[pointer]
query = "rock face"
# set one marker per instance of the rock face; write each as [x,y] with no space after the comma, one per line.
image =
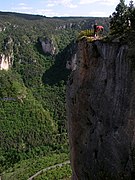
[48,46]
[6,58]
[71,59]
[72,64]
[101,112]
[5,61]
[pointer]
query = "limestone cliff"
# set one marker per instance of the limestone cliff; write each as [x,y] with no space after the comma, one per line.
[48,46]
[6,58]
[5,61]
[101,112]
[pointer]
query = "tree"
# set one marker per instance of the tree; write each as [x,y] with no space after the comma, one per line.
[131,14]
[131,6]
[118,19]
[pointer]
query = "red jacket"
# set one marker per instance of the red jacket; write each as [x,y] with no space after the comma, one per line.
[100,28]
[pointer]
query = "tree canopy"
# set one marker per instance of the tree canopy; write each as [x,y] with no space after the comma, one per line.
[122,20]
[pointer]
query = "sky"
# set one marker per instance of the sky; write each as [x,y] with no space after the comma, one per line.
[51,8]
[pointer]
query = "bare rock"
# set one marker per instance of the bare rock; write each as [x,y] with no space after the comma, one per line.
[6,61]
[101,112]
[48,46]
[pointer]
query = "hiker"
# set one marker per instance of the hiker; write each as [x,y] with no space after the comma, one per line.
[95,29]
[100,28]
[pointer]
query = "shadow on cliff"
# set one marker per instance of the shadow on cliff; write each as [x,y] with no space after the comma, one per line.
[58,71]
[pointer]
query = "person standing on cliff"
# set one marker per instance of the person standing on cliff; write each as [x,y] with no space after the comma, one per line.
[95,30]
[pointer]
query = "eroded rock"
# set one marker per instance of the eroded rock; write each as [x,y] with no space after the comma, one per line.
[101,112]
[48,46]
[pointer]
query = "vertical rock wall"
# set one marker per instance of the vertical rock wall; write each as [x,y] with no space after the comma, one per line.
[6,61]
[48,46]
[101,112]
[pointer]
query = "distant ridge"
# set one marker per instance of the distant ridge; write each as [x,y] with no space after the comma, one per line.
[22,15]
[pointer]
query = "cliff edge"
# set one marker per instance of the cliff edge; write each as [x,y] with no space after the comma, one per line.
[101,112]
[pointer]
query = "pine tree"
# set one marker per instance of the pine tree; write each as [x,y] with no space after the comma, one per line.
[131,5]
[131,15]
[118,19]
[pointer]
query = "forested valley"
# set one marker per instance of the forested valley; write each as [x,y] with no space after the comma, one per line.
[33,127]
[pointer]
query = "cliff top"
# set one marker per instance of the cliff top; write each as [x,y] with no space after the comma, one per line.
[125,38]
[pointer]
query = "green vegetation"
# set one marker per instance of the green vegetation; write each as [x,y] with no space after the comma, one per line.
[27,168]
[122,20]
[32,93]
[33,127]
[60,173]
[88,33]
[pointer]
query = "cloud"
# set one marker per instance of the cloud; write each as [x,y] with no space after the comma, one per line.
[105,2]
[25,8]
[110,2]
[50,5]
[45,12]
[87,1]
[66,3]
[30,10]
[97,14]
[21,6]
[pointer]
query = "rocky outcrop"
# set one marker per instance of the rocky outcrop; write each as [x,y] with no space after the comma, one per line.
[6,61]
[71,64]
[101,112]
[2,27]
[48,46]
[6,58]
[82,24]
[71,58]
